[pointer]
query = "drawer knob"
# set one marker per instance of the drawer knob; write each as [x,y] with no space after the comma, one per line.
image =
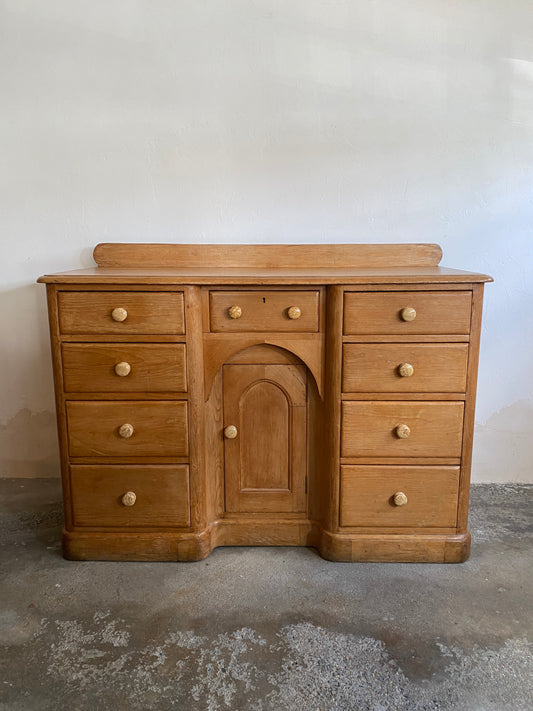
[402,431]
[235,312]
[129,498]
[406,370]
[125,431]
[123,369]
[399,498]
[408,313]
[119,314]
[230,432]
[294,312]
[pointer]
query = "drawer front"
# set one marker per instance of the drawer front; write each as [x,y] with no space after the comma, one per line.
[139,312]
[368,496]
[127,429]
[375,429]
[407,312]
[398,367]
[124,367]
[264,311]
[161,496]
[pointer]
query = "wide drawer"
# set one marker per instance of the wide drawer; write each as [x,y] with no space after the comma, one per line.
[368,495]
[160,496]
[293,311]
[127,429]
[124,367]
[121,312]
[399,367]
[401,429]
[407,312]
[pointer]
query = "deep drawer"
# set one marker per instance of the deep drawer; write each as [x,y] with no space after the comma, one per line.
[368,496]
[401,429]
[121,312]
[407,312]
[161,496]
[398,367]
[127,429]
[293,311]
[125,367]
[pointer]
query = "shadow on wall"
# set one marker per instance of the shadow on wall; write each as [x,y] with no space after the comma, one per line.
[503,446]
[28,438]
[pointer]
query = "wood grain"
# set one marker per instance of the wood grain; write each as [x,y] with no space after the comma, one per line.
[367,496]
[273,255]
[264,311]
[376,367]
[82,312]
[436,312]
[369,429]
[160,429]
[162,496]
[156,368]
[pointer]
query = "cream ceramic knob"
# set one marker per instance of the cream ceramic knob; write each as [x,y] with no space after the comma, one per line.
[119,314]
[125,431]
[400,499]
[123,369]
[230,432]
[406,370]
[235,312]
[402,431]
[408,313]
[294,312]
[129,498]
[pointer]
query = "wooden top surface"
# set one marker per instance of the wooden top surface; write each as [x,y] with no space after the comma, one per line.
[265,264]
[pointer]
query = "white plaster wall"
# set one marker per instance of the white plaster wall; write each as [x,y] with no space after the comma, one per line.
[267,121]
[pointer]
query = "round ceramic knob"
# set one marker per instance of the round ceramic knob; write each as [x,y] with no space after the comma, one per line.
[235,312]
[403,431]
[294,312]
[406,370]
[400,499]
[129,498]
[408,313]
[125,431]
[230,432]
[123,369]
[119,314]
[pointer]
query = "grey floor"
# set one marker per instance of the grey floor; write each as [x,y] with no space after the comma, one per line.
[260,629]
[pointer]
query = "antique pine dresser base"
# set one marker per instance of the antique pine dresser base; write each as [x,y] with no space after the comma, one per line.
[311,395]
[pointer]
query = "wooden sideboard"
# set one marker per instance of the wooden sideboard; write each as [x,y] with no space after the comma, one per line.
[310,395]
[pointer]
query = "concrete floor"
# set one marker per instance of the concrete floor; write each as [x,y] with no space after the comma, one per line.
[264,629]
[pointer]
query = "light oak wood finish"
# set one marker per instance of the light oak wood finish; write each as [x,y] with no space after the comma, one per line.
[426,368]
[156,429]
[350,382]
[146,312]
[160,496]
[126,368]
[262,311]
[370,429]
[436,312]
[426,496]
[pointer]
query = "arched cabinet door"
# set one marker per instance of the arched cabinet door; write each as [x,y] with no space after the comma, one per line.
[265,438]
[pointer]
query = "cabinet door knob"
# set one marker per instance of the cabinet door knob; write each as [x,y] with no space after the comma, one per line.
[402,431]
[406,370]
[119,314]
[230,432]
[294,312]
[235,311]
[408,313]
[129,498]
[400,499]
[125,431]
[122,369]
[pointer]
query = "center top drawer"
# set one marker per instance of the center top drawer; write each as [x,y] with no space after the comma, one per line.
[260,311]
